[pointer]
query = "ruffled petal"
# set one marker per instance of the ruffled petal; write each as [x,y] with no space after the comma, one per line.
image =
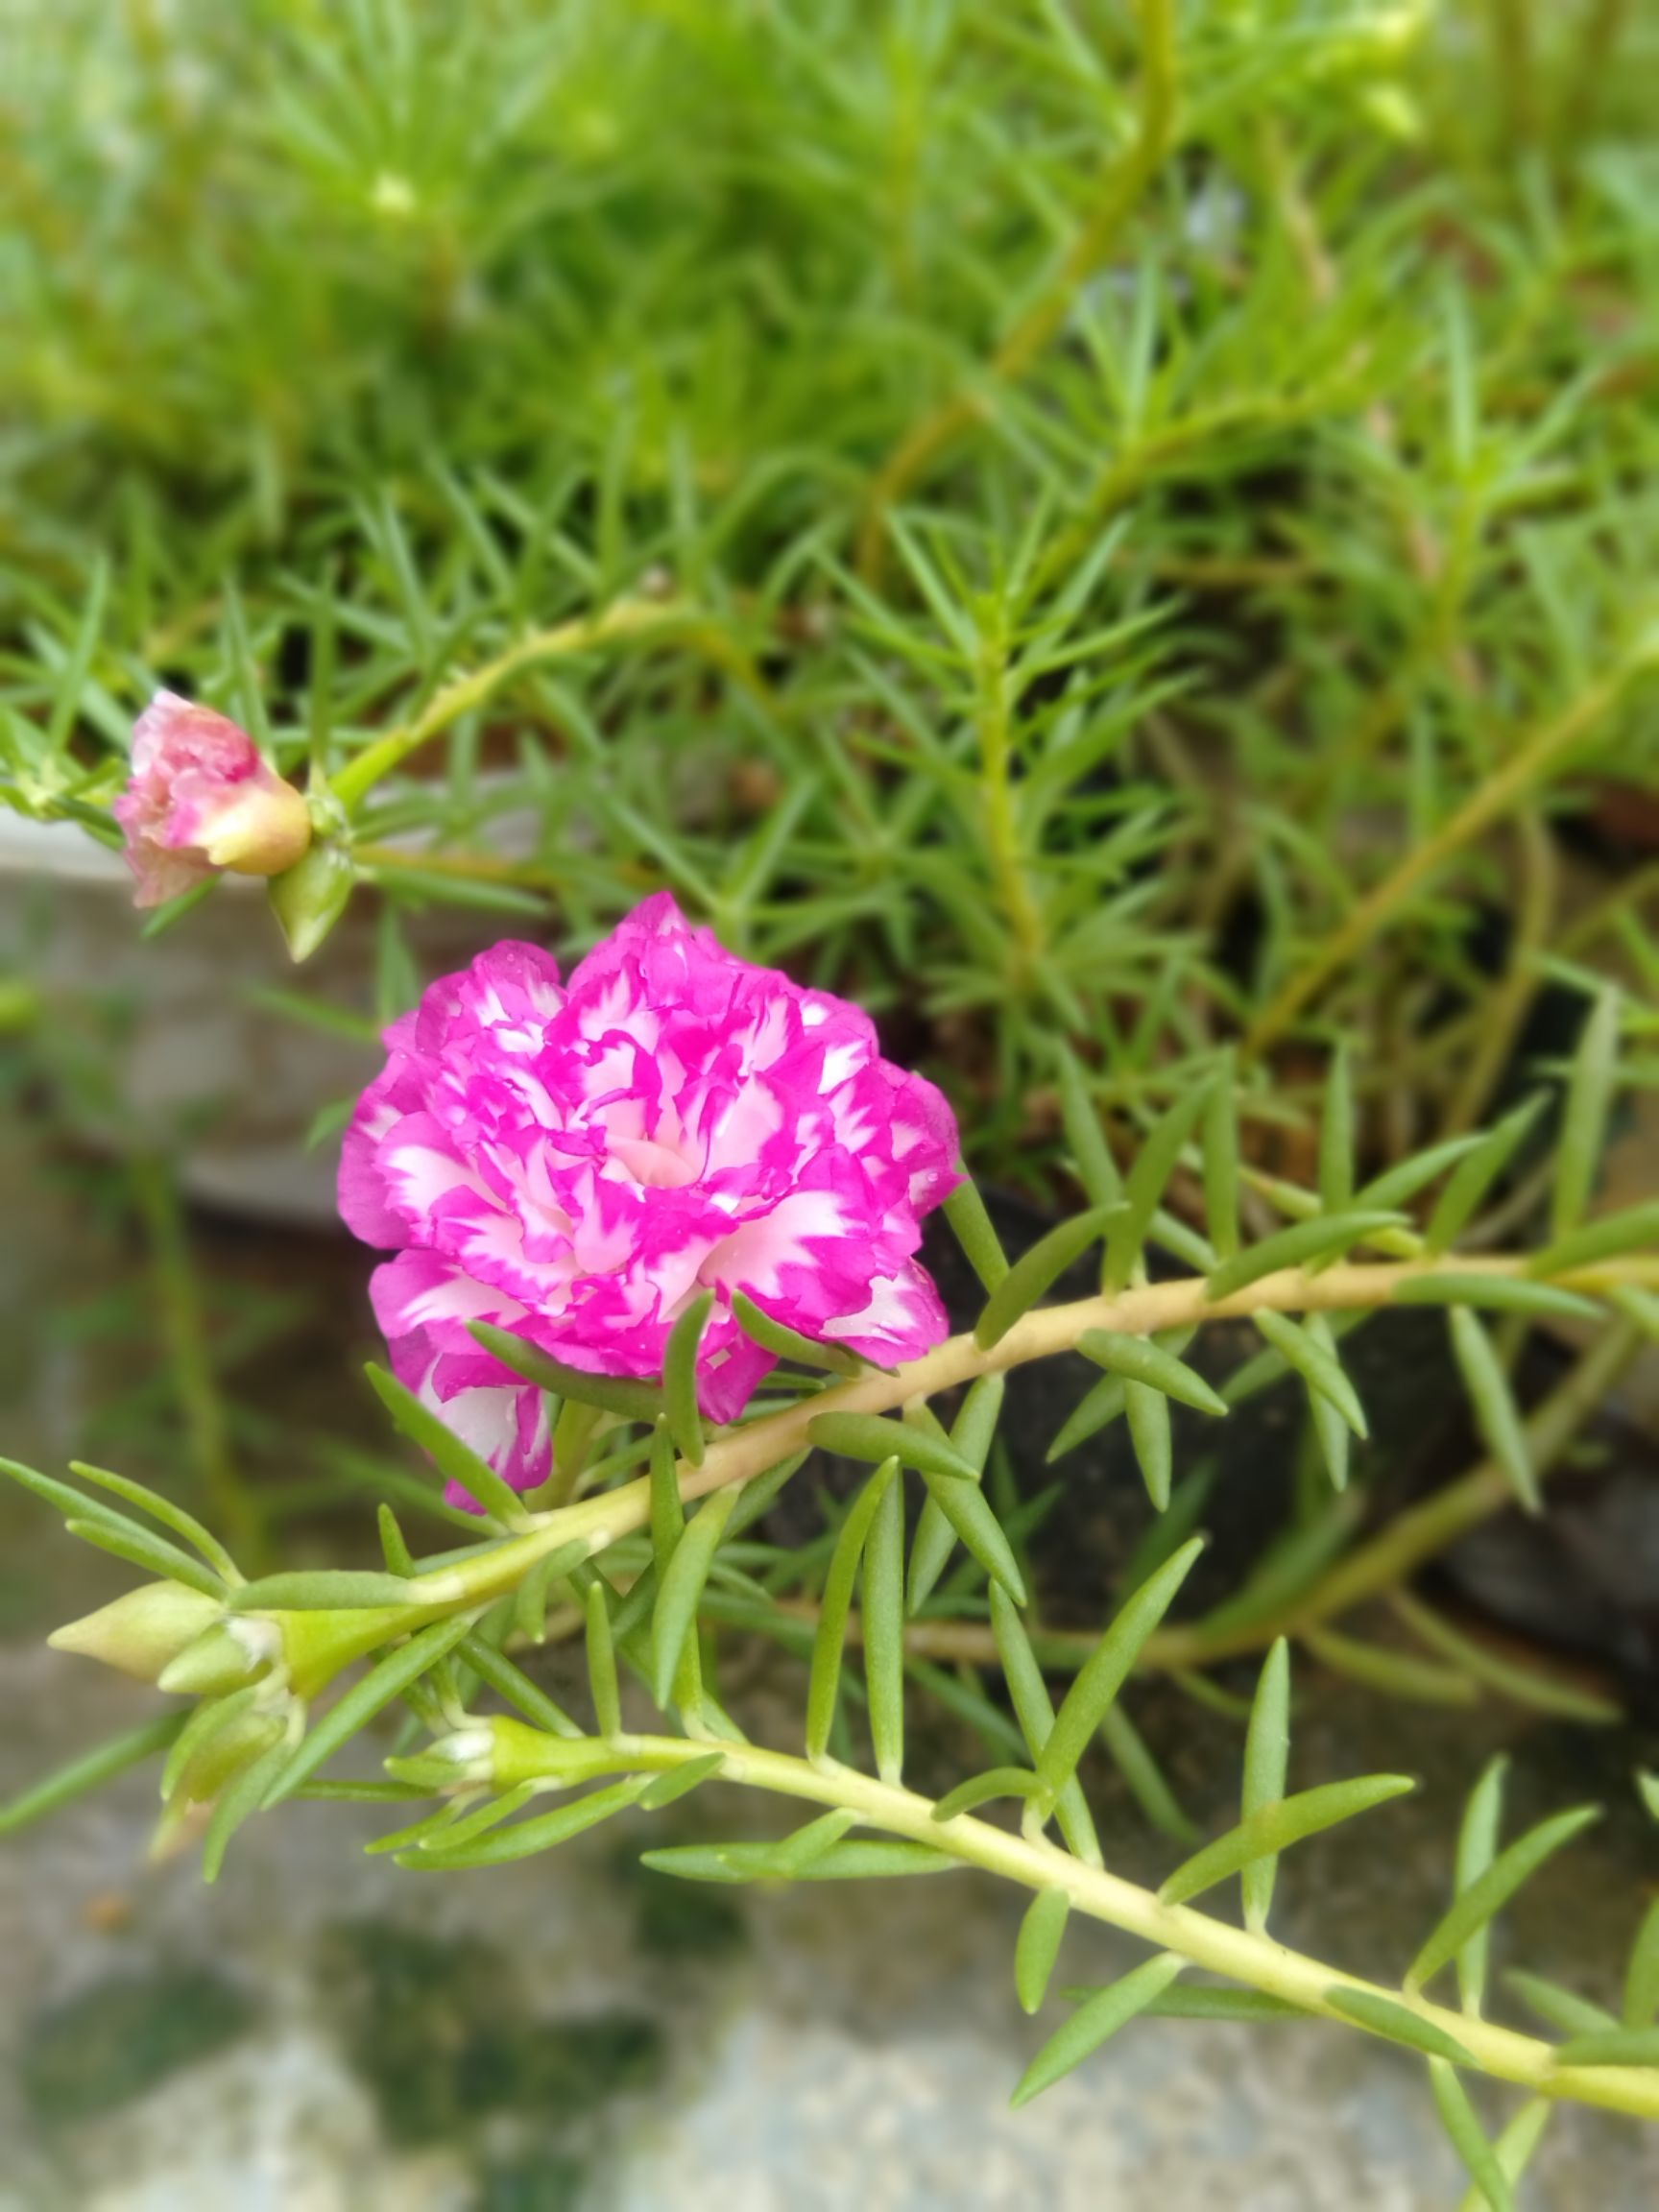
[573,1162]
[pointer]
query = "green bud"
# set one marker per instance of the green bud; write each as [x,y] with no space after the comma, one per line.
[316,1645]
[222,1754]
[143,1631]
[227,1656]
[455,1762]
[309,897]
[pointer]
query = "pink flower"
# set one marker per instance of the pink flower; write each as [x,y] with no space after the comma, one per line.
[203,798]
[576,1162]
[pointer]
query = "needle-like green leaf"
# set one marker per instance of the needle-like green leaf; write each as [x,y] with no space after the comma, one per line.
[1276,1827]
[1103,1402]
[1496,1416]
[125,1540]
[1492,1890]
[679,1377]
[1477,1849]
[1267,1763]
[1528,1682]
[1145,1361]
[90,1770]
[1498,1294]
[1131,1755]
[1402,1182]
[1468,2137]
[984,1789]
[515,1686]
[164,1510]
[680,1590]
[1148,1411]
[1337,1134]
[1090,2025]
[965,1211]
[1475,1175]
[836,1604]
[238,1801]
[667,1506]
[680,1781]
[789,1344]
[1635,1229]
[1613,2046]
[1034,1710]
[325,1590]
[530,1600]
[1514,2147]
[1384,2016]
[500,1846]
[870,1437]
[457,1461]
[611,1393]
[1096,1169]
[1221,1160]
[1642,1973]
[882,1603]
[602,1659]
[1032,1273]
[968,1511]
[1563,2010]
[1397,1673]
[1316,1363]
[1200,2001]
[1107,1668]
[970,1436]
[1144,1187]
[1039,1946]
[1590,1090]
[1320,1238]
[857,1859]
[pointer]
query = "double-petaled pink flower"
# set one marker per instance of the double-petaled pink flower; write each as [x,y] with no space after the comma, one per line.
[577,1162]
[203,798]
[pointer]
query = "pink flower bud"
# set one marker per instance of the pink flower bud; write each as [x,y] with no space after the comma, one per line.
[203,798]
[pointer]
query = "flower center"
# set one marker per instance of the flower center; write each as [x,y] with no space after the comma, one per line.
[653,1163]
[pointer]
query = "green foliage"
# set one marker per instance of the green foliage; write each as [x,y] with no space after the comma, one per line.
[1108,536]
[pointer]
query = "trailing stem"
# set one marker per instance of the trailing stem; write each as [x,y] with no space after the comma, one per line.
[1254,1962]
[565,640]
[1143,1310]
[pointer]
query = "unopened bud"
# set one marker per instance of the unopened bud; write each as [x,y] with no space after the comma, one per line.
[201,797]
[227,1656]
[454,1761]
[143,1631]
[310,896]
[223,1754]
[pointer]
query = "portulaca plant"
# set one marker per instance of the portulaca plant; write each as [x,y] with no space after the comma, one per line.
[653,1232]
[1116,537]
